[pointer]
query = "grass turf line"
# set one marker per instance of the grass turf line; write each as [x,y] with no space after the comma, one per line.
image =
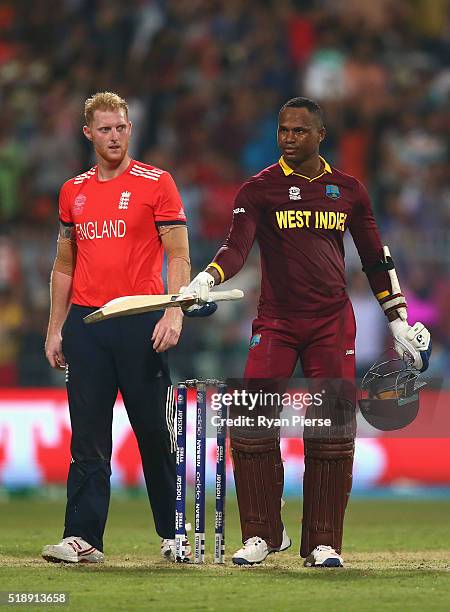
[397,556]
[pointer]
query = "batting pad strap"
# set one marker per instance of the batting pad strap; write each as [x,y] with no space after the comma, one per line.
[326,488]
[259,477]
[219,270]
[324,449]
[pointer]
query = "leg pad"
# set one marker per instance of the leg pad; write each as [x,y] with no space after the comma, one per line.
[259,477]
[326,488]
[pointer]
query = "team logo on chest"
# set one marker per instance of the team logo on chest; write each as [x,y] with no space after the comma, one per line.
[124,200]
[333,192]
[294,193]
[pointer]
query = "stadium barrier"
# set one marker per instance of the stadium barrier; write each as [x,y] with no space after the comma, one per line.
[35,448]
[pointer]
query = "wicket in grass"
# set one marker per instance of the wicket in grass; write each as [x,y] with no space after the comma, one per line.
[200,473]
[221,483]
[180,500]
[200,484]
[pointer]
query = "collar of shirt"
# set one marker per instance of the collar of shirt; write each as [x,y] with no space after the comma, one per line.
[288,170]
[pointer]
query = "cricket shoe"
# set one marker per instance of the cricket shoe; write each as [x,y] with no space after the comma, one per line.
[72,550]
[324,556]
[168,548]
[255,550]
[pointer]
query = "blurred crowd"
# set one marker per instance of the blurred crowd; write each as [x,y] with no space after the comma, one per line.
[204,80]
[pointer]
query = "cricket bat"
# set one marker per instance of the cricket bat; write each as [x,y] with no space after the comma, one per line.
[135,304]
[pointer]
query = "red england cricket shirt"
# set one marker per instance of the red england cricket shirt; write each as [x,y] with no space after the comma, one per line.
[119,250]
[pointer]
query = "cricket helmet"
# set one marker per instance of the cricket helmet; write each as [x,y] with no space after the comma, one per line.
[393,386]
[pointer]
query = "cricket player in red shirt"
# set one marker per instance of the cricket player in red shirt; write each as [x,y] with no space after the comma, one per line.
[116,221]
[298,210]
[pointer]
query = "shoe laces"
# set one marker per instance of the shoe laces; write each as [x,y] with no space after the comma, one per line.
[70,539]
[253,541]
[167,542]
[171,542]
[324,548]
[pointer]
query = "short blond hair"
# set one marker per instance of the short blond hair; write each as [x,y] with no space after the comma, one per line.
[105,101]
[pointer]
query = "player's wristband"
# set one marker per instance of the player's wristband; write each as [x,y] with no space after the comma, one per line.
[219,270]
[393,304]
[391,300]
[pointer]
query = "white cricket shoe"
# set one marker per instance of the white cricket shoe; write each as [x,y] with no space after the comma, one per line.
[285,542]
[324,556]
[72,550]
[168,547]
[255,550]
[168,550]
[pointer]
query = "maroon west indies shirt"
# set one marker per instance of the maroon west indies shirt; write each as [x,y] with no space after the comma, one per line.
[299,224]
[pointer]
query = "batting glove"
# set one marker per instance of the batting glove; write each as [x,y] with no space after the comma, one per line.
[199,287]
[412,342]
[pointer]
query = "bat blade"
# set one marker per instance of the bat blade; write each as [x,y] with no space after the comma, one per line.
[136,304]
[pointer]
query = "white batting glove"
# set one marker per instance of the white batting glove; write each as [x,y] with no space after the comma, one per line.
[199,287]
[412,342]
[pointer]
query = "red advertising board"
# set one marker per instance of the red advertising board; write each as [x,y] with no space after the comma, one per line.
[35,447]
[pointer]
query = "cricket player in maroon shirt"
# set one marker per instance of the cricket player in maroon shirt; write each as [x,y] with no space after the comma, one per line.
[298,211]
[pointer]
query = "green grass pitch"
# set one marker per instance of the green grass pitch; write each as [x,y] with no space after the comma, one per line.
[397,558]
